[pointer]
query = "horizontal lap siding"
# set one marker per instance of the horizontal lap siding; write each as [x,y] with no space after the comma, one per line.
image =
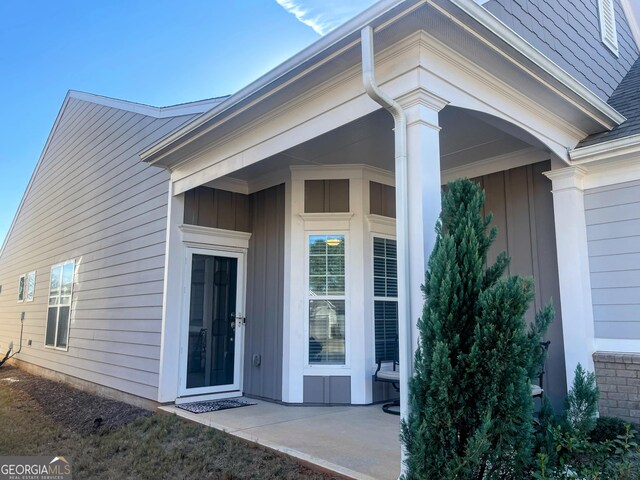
[613,231]
[92,200]
[568,33]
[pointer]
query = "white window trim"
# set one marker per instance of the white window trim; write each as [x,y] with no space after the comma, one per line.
[324,369]
[22,278]
[610,42]
[26,295]
[375,298]
[55,339]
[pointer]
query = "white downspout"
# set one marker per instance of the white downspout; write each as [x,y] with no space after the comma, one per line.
[402,216]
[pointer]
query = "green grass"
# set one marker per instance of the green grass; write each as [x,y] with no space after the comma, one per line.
[156,447]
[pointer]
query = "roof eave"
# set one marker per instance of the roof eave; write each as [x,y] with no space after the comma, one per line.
[589,102]
[612,150]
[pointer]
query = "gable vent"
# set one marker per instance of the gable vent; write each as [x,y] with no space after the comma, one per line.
[608,31]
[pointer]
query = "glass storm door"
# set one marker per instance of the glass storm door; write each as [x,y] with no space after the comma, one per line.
[215,320]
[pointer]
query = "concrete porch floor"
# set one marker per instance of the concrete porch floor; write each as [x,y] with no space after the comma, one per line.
[358,442]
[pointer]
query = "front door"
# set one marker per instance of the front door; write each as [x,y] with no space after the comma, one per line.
[215,301]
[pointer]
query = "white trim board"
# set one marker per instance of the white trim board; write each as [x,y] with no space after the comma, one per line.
[632,12]
[195,234]
[190,108]
[617,345]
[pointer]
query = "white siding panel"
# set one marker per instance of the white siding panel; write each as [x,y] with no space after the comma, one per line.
[613,233]
[92,200]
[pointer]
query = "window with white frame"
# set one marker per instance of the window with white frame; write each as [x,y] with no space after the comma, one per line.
[59,311]
[21,280]
[30,286]
[608,31]
[327,345]
[385,299]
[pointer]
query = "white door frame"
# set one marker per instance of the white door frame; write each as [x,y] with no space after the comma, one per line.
[220,391]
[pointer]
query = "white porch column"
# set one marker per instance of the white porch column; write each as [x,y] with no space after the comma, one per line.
[573,268]
[172,301]
[424,192]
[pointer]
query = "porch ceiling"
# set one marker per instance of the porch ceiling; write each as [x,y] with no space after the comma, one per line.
[466,137]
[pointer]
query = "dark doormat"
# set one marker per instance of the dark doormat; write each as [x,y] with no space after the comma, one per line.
[214,405]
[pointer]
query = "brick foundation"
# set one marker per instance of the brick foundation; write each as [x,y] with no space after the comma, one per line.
[618,377]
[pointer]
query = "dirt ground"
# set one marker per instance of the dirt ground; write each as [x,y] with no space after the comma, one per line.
[106,439]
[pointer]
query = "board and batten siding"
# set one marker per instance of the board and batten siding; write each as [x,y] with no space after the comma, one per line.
[522,206]
[568,33]
[613,234]
[92,200]
[262,214]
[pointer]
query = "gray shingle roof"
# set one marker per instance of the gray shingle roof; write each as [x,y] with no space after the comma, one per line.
[626,100]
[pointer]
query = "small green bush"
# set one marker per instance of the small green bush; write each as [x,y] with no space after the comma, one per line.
[582,402]
[609,428]
[579,446]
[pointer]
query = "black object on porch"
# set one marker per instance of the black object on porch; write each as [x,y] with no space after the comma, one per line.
[390,374]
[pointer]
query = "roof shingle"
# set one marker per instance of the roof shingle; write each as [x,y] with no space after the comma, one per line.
[626,100]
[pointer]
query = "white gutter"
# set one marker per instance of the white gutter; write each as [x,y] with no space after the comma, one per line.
[402,218]
[618,149]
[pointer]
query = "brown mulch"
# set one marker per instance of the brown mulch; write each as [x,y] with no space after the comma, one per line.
[78,411]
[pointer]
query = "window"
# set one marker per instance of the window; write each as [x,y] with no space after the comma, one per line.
[608,32]
[327,300]
[385,298]
[31,286]
[59,311]
[21,288]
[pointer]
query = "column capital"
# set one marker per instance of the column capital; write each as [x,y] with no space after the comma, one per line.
[421,97]
[567,178]
[421,108]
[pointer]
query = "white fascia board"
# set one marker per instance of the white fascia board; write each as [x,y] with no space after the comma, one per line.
[497,27]
[613,150]
[191,108]
[632,12]
[35,170]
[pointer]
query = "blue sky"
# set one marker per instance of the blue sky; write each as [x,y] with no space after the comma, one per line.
[157,52]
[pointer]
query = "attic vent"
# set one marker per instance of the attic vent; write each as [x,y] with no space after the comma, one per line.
[608,31]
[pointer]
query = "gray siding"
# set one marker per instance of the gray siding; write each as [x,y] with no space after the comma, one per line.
[265,294]
[327,390]
[261,214]
[522,206]
[521,202]
[210,207]
[326,196]
[92,200]
[613,232]
[382,199]
[568,32]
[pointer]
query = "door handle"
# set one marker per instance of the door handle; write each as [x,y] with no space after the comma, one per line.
[239,319]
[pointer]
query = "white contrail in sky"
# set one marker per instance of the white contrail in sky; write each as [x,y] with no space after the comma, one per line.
[324,15]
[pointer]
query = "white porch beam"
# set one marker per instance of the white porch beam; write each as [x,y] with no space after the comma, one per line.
[573,268]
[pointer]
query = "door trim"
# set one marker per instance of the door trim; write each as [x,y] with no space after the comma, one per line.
[219,391]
